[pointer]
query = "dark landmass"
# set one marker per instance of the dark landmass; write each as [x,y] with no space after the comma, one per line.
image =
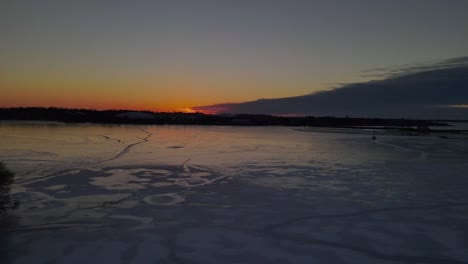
[147,117]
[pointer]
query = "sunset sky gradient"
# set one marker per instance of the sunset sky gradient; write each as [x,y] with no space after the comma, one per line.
[173,55]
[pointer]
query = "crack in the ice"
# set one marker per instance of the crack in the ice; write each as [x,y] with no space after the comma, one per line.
[128,147]
[110,138]
[184,167]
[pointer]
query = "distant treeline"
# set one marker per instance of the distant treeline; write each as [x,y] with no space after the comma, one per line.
[118,117]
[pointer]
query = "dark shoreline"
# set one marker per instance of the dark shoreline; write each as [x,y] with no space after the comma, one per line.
[159,118]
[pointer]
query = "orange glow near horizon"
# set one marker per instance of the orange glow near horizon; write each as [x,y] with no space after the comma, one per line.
[99,101]
[170,94]
[106,106]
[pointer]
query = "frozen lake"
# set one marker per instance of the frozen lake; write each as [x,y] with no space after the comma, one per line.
[194,194]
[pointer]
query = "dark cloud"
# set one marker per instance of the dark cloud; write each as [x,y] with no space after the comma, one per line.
[412,91]
[415,67]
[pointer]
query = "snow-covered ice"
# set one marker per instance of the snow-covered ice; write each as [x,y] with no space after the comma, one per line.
[195,194]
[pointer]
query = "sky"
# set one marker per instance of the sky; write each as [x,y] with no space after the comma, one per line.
[422,91]
[179,55]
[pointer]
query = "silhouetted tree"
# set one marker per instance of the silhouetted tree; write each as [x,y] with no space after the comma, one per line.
[6,179]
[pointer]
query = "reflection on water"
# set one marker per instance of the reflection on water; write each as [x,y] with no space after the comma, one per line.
[173,194]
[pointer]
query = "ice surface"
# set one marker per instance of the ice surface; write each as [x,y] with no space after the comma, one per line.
[194,194]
